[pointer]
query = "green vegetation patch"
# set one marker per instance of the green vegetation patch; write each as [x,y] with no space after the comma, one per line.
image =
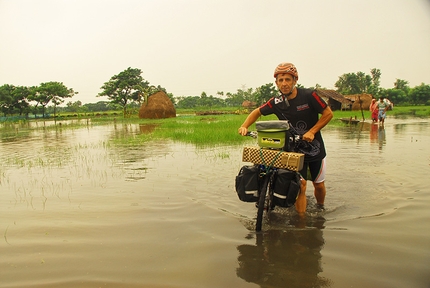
[199,130]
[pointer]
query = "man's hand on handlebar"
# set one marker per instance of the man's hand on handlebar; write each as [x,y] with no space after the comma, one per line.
[243,131]
[308,136]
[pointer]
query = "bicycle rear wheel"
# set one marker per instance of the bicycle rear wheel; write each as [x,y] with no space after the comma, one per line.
[263,202]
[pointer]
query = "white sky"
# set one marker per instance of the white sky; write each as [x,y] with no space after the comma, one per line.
[191,46]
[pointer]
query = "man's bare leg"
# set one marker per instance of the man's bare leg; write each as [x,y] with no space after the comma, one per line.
[319,193]
[301,201]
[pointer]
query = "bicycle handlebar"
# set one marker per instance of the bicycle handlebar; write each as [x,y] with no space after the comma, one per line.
[252,134]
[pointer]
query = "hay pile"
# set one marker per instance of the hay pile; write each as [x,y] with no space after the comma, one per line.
[365,100]
[158,106]
[249,104]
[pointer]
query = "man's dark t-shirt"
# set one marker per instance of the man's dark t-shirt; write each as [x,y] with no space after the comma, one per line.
[303,113]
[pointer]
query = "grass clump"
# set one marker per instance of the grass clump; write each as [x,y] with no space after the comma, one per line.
[202,130]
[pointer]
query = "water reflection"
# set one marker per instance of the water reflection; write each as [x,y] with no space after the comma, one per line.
[132,157]
[290,257]
[381,136]
[364,131]
[147,128]
[377,135]
[374,133]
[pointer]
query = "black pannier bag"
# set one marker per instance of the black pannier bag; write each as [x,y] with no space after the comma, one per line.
[247,183]
[286,188]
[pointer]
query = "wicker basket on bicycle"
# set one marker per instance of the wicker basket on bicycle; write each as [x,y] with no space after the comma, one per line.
[273,141]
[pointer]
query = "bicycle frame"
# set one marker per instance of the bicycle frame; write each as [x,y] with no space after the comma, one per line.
[265,202]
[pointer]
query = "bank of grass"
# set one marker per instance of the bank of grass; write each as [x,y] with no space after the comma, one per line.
[199,130]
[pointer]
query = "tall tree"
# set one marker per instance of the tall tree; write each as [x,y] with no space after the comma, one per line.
[396,96]
[74,106]
[402,85]
[14,99]
[54,92]
[234,99]
[374,87]
[127,86]
[6,98]
[420,94]
[20,99]
[357,83]
[265,92]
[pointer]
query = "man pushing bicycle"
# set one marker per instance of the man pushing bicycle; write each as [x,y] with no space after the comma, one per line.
[301,107]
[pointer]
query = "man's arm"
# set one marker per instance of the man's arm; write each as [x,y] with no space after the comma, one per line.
[326,116]
[387,106]
[252,117]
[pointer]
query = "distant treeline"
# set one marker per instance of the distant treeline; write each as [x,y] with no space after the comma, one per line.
[128,90]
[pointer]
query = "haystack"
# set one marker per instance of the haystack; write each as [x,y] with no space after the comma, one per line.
[158,106]
[365,100]
[249,104]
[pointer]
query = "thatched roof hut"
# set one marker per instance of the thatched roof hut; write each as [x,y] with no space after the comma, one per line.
[335,100]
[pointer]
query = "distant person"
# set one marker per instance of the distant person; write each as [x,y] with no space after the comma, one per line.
[373,108]
[301,107]
[382,110]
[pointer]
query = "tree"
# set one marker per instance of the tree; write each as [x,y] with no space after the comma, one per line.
[420,94]
[265,92]
[74,106]
[396,96]
[20,99]
[402,85]
[374,88]
[347,84]
[13,99]
[188,102]
[127,86]
[204,100]
[100,106]
[357,83]
[54,92]
[6,95]
[235,99]
[173,99]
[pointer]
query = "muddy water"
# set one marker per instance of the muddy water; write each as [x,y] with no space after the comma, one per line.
[76,211]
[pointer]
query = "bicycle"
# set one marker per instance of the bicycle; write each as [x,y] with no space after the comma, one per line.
[273,179]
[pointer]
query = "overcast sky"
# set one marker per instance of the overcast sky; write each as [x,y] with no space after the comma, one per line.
[191,46]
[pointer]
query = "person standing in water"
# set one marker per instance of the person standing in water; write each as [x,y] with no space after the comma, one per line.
[382,110]
[302,108]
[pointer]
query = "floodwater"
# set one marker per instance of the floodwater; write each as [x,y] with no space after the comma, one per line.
[77,211]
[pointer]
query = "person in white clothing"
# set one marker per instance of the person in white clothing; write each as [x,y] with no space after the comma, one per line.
[382,108]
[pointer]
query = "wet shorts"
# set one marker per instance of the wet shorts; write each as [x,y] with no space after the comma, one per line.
[381,114]
[314,171]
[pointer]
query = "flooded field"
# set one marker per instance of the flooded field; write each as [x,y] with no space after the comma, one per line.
[78,211]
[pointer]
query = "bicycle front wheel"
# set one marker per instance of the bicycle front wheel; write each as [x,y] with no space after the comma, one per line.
[263,202]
